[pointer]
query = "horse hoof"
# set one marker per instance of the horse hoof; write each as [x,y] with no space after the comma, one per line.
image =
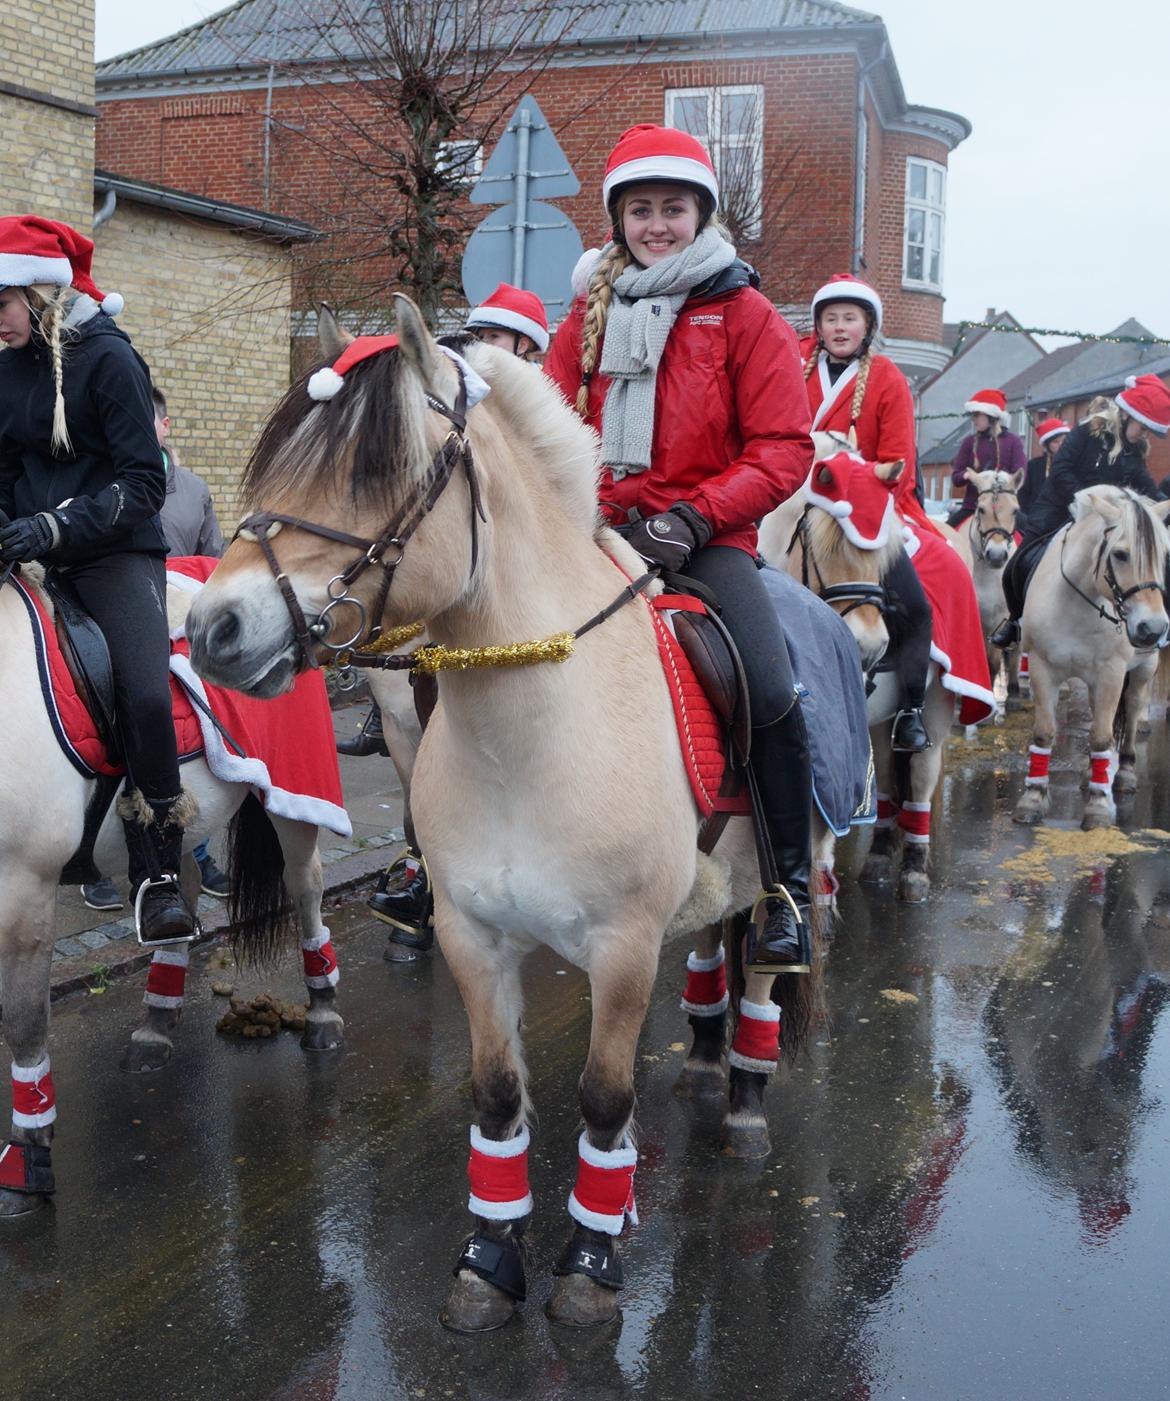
[144,1056]
[701,1079]
[1125,782]
[1096,818]
[913,887]
[475,1306]
[745,1139]
[878,870]
[1014,704]
[14,1204]
[328,1035]
[399,953]
[577,1301]
[1031,808]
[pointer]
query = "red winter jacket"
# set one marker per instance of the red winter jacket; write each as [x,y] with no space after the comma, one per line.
[731,420]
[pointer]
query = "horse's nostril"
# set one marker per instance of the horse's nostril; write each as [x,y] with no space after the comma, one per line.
[223,633]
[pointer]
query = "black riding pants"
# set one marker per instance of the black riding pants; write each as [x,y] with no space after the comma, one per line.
[126,596]
[1019,570]
[909,622]
[750,618]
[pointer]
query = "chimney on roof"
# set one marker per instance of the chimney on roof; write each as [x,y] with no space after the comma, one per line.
[990,314]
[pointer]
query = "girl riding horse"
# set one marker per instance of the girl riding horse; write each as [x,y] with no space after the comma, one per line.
[693,381]
[82,476]
[991,447]
[1108,449]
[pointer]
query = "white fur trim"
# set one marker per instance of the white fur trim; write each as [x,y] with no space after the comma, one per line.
[596,1220]
[30,1074]
[623,1157]
[742,1062]
[316,941]
[158,999]
[706,1009]
[324,384]
[175,958]
[843,511]
[113,304]
[1035,749]
[499,1211]
[1107,786]
[1052,433]
[759,1011]
[583,270]
[705,965]
[494,1148]
[831,393]
[991,410]
[959,685]
[509,321]
[227,765]
[27,270]
[848,292]
[663,169]
[477,387]
[500,1148]
[1160,428]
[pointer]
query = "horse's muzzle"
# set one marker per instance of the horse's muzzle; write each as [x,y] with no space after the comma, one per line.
[1147,633]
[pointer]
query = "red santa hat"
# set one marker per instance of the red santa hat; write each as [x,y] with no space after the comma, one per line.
[844,287]
[658,153]
[848,488]
[991,402]
[327,382]
[513,309]
[38,252]
[1147,399]
[1049,428]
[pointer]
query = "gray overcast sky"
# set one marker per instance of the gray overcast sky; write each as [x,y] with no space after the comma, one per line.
[1059,203]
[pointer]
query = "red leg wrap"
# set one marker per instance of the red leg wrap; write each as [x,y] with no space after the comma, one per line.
[167,979]
[603,1195]
[1023,664]
[827,885]
[887,811]
[706,992]
[498,1174]
[34,1100]
[757,1037]
[914,820]
[1102,771]
[320,962]
[1038,766]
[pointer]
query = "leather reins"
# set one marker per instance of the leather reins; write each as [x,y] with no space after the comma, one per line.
[1120,597]
[995,492]
[385,552]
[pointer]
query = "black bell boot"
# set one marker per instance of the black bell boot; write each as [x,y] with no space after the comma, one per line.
[404,901]
[154,844]
[779,934]
[909,734]
[370,739]
[1007,634]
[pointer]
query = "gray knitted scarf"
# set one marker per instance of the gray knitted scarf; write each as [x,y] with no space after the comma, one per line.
[645,303]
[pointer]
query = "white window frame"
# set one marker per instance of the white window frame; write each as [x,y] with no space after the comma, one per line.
[718,144]
[927,207]
[474,167]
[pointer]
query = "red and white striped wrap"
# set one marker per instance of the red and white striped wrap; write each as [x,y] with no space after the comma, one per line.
[167,979]
[706,991]
[887,810]
[757,1037]
[1102,770]
[320,961]
[1023,665]
[1038,767]
[603,1195]
[34,1100]
[914,820]
[498,1174]
[827,885]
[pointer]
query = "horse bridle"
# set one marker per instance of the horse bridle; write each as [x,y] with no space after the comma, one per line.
[985,535]
[855,593]
[386,551]
[1120,597]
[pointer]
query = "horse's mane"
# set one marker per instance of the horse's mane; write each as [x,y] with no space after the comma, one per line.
[828,544]
[1144,531]
[1000,480]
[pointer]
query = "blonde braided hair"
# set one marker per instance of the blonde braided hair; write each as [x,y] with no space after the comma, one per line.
[50,306]
[611,265]
[859,388]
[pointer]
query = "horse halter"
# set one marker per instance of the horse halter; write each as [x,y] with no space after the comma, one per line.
[855,593]
[995,492]
[386,551]
[1120,596]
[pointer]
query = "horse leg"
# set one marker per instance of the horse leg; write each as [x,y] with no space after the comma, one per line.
[914,817]
[705,1001]
[150,1044]
[1011,666]
[1034,801]
[1137,720]
[879,864]
[324,1028]
[589,1271]
[1105,695]
[754,1056]
[26,950]
[489,1274]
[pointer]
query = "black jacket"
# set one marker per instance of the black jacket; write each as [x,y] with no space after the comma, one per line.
[1033,484]
[1083,460]
[113,480]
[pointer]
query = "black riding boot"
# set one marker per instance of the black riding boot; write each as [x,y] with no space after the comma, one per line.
[780,762]
[369,739]
[909,735]
[154,843]
[1007,634]
[404,901]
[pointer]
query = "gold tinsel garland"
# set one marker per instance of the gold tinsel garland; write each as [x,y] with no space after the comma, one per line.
[393,638]
[429,660]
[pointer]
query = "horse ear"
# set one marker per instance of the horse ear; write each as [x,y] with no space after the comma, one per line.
[414,340]
[1017,480]
[332,337]
[889,471]
[825,477]
[1108,510]
[1160,508]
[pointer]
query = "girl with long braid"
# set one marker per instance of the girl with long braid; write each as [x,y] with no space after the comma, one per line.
[694,382]
[865,398]
[81,484]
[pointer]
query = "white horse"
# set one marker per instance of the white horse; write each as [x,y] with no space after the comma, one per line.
[551,799]
[991,540]
[43,804]
[1096,609]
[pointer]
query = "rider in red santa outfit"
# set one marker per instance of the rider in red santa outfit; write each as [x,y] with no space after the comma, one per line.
[693,380]
[865,398]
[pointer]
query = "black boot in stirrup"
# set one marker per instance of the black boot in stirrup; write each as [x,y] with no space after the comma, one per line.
[370,739]
[404,901]
[1007,634]
[154,844]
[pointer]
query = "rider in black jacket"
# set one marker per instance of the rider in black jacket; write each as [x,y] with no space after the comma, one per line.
[82,479]
[1108,449]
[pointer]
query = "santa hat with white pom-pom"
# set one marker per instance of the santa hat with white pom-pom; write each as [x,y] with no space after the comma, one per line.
[36,252]
[327,382]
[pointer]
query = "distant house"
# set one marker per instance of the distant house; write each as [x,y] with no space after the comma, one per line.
[233,107]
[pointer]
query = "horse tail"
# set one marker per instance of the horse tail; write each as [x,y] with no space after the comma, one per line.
[259,912]
[800,996]
[1121,718]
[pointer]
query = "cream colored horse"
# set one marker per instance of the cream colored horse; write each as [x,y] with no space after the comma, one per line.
[551,800]
[991,542]
[1096,610]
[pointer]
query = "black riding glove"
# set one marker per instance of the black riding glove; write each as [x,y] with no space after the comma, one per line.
[671,537]
[27,537]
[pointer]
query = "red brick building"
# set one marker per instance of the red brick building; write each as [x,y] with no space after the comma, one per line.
[802,94]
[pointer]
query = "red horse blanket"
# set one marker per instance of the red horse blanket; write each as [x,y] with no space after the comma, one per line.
[288,755]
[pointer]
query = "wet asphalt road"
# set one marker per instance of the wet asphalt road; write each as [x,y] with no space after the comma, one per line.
[967,1196]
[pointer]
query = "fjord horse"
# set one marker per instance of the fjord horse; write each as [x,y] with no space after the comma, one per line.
[991,539]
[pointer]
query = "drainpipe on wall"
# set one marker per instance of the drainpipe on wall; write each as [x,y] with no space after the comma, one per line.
[859,174]
[106,212]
